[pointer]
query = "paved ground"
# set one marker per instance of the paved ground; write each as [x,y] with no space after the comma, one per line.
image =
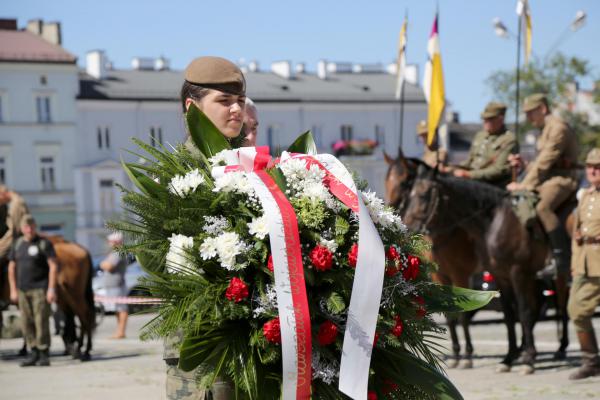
[133,370]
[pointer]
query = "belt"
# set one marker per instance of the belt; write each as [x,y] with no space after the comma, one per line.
[590,240]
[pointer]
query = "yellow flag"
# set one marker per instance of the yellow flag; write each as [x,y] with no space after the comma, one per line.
[524,12]
[401,60]
[433,84]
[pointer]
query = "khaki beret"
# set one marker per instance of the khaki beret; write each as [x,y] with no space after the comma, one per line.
[593,156]
[534,101]
[422,127]
[216,73]
[493,109]
[27,219]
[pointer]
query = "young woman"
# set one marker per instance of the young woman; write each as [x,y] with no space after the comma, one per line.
[218,88]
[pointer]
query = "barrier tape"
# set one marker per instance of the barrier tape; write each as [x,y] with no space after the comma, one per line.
[126,300]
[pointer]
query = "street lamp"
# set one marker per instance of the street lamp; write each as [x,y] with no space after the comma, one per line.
[499,28]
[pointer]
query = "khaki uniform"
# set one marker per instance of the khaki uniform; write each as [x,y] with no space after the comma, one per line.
[35,312]
[488,157]
[430,157]
[585,265]
[16,210]
[552,173]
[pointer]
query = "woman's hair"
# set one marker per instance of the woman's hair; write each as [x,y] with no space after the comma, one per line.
[191,91]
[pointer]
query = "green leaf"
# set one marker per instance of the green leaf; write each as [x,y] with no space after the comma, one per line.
[335,303]
[205,135]
[402,367]
[143,182]
[341,226]
[305,144]
[279,179]
[457,299]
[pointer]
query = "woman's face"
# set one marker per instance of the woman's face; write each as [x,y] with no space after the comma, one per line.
[224,110]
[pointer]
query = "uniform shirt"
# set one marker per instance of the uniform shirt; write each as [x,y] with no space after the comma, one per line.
[586,258]
[488,156]
[432,157]
[31,259]
[15,211]
[557,153]
[116,276]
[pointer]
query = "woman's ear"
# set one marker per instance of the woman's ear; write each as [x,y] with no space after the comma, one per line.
[188,101]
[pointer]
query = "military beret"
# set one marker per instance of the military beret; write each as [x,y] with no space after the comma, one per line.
[217,73]
[27,219]
[593,156]
[534,101]
[493,109]
[422,127]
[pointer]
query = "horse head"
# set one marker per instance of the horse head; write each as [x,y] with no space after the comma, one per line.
[424,199]
[399,179]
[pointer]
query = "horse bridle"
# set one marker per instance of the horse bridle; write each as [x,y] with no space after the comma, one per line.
[432,206]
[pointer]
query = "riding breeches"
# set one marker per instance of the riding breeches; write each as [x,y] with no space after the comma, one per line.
[35,315]
[583,300]
[553,193]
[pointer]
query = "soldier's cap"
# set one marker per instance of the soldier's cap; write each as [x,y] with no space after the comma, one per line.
[27,219]
[593,157]
[493,109]
[216,73]
[422,127]
[534,101]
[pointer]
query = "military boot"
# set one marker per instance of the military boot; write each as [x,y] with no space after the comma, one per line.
[590,362]
[33,358]
[44,360]
[561,249]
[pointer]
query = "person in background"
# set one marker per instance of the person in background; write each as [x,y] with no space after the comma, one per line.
[584,297]
[432,154]
[32,272]
[251,122]
[114,266]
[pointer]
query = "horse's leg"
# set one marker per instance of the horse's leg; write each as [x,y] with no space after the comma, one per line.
[69,334]
[528,306]
[562,298]
[465,320]
[507,300]
[452,322]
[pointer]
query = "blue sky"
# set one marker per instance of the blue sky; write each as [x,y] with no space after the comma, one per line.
[310,30]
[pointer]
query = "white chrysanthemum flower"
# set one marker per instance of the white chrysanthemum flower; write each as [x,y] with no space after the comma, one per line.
[228,247]
[220,158]
[330,244]
[208,248]
[184,185]
[236,181]
[215,225]
[259,227]
[294,169]
[380,214]
[315,190]
[177,257]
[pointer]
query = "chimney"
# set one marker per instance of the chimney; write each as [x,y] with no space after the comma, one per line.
[253,66]
[300,68]
[142,63]
[339,67]
[161,64]
[51,33]
[322,69]
[367,68]
[95,64]
[282,69]
[8,24]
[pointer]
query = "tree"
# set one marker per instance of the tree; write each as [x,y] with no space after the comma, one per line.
[557,77]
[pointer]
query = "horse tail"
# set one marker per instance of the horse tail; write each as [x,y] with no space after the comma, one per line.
[89,292]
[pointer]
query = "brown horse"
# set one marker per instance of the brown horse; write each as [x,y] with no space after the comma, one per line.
[443,204]
[453,250]
[75,297]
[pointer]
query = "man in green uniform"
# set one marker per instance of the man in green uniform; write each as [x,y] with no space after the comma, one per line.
[585,267]
[432,154]
[32,271]
[488,156]
[551,174]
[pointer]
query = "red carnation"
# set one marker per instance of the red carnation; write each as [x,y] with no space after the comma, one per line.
[375,339]
[321,258]
[391,270]
[398,328]
[421,311]
[272,331]
[353,255]
[371,396]
[392,254]
[327,333]
[237,290]
[412,270]
[270,263]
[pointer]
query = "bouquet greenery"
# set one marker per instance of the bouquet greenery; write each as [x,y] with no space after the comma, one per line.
[205,243]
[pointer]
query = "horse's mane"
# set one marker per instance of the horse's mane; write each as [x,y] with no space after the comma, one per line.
[475,193]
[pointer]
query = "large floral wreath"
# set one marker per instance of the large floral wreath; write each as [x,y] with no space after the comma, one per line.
[198,225]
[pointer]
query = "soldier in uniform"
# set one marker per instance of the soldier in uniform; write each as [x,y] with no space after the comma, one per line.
[488,156]
[432,154]
[218,88]
[552,174]
[585,267]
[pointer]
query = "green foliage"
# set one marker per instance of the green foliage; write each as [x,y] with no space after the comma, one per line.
[205,135]
[311,213]
[305,144]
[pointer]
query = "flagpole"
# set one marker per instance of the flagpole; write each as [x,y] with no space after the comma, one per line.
[519,29]
[402,113]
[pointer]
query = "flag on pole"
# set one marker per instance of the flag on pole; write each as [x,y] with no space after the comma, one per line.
[524,12]
[401,61]
[433,83]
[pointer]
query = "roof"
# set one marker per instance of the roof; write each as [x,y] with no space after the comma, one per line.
[24,46]
[261,87]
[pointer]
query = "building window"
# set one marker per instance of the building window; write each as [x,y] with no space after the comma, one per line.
[43,80]
[152,137]
[42,104]
[1,109]
[380,135]
[107,197]
[160,139]
[47,170]
[2,171]
[103,138]
[99,136]
[155,135]
[107,137]
[346,132]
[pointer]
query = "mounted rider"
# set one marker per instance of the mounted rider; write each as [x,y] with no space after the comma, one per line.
[552,174]
[491,147]
[432,154]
